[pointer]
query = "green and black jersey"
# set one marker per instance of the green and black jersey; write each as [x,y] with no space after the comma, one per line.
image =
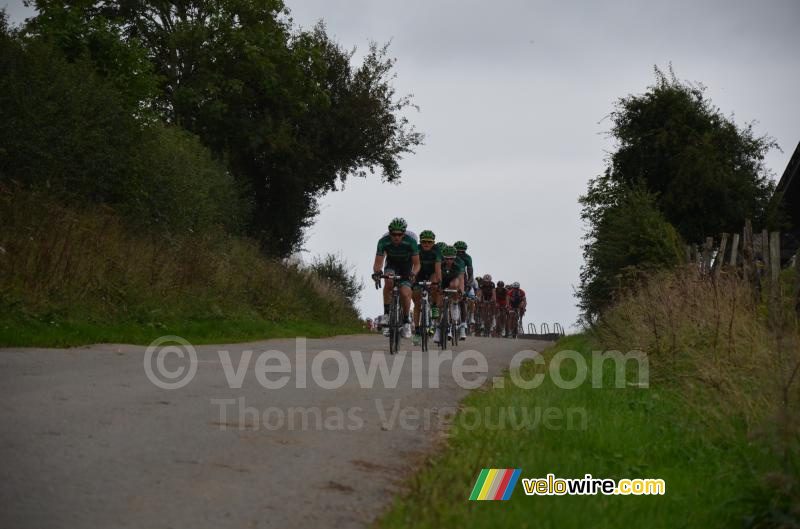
[467,258]
[399,254]
[428,260]
[448,274]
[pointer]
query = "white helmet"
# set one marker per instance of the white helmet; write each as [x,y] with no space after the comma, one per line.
[515,284]
[487,277]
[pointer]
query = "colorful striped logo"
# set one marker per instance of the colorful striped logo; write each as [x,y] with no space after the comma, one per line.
[495,484]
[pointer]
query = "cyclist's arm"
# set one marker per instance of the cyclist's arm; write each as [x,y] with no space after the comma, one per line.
[415,265]
[437,272]
[377,267]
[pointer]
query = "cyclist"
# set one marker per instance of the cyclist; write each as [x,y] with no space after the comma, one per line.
[488,297]
[516,298]
[452,277]
[430,259]
[501,301]
[461,249]
[401,254]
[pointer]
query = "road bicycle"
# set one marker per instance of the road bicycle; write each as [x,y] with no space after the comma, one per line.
[501,319]
[425,322]
[472,316]
[513,323]
[485,317]
[395,323]
[450,319]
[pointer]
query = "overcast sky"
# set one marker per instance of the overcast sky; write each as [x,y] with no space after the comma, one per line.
[512,98]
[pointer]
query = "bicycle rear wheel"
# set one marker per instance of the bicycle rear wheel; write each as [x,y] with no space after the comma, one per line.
[424,322]
[444,324]
[394,327]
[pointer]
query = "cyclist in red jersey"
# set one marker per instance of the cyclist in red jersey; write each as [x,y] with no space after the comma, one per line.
[516,297]
[517,303]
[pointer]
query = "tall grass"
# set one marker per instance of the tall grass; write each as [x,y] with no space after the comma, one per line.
[733,356]
[60,264]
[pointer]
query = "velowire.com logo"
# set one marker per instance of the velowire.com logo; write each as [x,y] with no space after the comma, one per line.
[495,484]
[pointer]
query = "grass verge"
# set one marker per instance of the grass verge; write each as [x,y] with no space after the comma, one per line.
[630,432]
[34,333]
[72,277]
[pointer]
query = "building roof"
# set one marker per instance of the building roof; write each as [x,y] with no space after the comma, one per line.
[788,191]
[789,184]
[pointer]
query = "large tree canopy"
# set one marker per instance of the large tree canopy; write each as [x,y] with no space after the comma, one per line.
[680,169]
[707,174]
[287,110]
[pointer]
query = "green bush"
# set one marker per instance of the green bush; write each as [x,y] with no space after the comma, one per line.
[338,272]
[628,239]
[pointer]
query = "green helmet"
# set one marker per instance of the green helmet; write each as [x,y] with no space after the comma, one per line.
[427,235]
[398,224]
[448,251]
[460,246]
[441,245]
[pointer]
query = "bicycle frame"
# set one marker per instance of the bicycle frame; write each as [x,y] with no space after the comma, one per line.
[395,310]
[425,313]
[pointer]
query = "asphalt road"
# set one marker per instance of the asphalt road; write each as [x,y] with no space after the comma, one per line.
[88,440]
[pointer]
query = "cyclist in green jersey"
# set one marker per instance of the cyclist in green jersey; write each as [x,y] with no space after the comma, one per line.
[430,259]
[452,274]
[461,249]
[401,255]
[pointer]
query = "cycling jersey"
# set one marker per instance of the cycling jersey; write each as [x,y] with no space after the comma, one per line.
[399,254]
[448,274]
[428,260]
[466,258]
[516,296]
[487,287]
[502,295]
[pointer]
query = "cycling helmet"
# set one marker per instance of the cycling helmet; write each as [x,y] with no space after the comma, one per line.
[441,245]
[448,251]
[515,284]
[460,246]
[500,284]
[487,277]
[398,224]
[427,235]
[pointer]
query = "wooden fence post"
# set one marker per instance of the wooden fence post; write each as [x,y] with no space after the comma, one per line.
[707,247]
[720,260]
[775,270]
[734,249]
[747,253]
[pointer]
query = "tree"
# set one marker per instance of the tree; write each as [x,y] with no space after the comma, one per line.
[286,109]
[83,33]
[69,132]
[625,240]
[706,173]
[680,170]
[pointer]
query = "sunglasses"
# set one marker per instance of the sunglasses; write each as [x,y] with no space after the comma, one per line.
[398,233]
[426,242]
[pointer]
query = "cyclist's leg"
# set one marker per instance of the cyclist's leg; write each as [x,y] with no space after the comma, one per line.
[436,299]
[416,296]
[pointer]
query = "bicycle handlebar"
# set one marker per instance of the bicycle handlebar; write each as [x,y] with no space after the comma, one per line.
[378,278]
